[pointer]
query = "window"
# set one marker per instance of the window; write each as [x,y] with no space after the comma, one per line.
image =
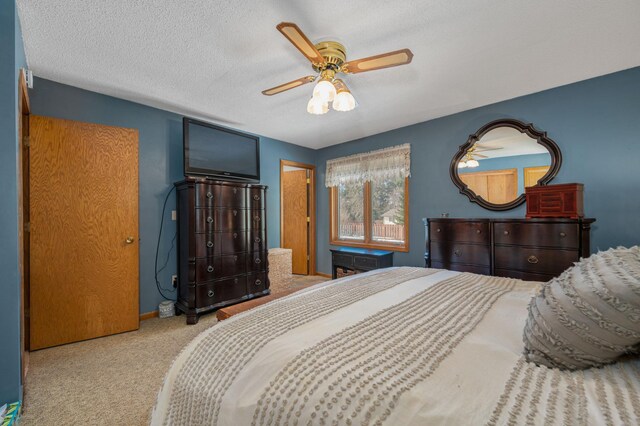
[369,199]
[373,214]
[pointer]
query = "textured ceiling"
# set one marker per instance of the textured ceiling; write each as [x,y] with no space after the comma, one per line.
[211,59]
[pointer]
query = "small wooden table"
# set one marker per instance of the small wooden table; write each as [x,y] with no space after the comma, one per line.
[359,260]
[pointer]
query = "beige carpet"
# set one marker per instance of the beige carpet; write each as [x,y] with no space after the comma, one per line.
[111,380]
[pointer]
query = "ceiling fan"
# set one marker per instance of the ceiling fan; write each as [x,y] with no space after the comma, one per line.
[329,58]
[470,158]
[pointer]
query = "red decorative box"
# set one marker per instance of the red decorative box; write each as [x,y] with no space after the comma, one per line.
[563,200]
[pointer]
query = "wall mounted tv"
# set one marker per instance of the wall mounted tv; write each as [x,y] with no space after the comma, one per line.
[219,153]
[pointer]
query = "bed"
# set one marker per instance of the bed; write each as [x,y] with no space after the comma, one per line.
[398,346]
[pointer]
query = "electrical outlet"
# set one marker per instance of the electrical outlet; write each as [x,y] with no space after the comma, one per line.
[173,215]
[174,281]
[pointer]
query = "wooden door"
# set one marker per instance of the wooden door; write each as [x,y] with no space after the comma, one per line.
[533,174]
[83,231]
[295,233]
[495,186]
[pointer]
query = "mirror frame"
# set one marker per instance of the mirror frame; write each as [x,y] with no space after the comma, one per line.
[540,136]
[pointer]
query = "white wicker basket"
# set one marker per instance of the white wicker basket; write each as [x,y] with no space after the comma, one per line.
[279,269]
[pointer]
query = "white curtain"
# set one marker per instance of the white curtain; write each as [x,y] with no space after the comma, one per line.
[388,163]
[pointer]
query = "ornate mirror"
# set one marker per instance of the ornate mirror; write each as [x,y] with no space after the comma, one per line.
[500,160]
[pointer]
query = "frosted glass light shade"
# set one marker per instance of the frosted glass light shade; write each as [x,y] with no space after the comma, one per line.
[472,163]
[317,106]
[324,90]
[462,165]
[344,101]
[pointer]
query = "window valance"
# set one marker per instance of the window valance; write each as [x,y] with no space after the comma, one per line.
[393,162]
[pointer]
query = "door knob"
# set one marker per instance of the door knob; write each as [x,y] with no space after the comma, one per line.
[129,240]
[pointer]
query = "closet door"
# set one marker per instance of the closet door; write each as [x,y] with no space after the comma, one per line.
[83,231]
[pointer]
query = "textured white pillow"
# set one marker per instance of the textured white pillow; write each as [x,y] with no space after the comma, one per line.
[588,316]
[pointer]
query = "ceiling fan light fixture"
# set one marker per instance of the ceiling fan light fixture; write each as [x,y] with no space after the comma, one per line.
[462,165]
[472,163]
[317,106]
[344,101]
[324,90]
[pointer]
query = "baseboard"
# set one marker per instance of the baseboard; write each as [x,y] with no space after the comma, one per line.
[323,275]
[148,315]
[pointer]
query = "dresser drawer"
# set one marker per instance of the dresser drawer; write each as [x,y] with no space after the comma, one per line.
[342,259]
[205,269]
[468,232]
[257,240]
[205,219]
[450,252]
[231,242]
[527,276]
[220,291]
[230,219]
[560,235]
[256,282]
[257,219]
[257,261]
[231,196]
[256,198]
[205,245]
[535,260]
[205,194]
[483,270]
[229,265]
[365,262]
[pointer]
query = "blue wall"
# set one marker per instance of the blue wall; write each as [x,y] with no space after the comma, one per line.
[11,60]
[595,122]
[160,164]
[512,162]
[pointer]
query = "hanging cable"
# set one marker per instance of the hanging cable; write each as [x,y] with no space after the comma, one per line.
[160,289]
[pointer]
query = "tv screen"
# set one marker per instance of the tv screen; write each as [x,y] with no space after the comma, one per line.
[221,153]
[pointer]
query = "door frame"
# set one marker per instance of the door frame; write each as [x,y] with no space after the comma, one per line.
[311,206]
[24,109]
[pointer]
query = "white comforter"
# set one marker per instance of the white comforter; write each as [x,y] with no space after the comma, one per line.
[397,347]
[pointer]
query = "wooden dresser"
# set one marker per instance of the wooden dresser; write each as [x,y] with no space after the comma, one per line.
[529,249]
[222,245]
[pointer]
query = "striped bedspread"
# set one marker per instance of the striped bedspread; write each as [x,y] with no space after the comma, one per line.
[397,346]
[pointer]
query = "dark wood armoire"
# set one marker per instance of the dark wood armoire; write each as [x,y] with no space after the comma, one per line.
[222,244]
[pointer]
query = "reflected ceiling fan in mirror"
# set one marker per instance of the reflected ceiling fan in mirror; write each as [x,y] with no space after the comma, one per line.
[329,58]
[470,158]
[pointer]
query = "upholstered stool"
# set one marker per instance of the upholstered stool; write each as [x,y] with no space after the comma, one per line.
[279,269]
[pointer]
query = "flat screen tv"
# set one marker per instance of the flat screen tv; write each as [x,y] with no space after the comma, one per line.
[220,153]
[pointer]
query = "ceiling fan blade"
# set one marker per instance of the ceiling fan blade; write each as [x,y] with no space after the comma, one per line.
[289,85]
[385,60]
[480,155]
[295,35]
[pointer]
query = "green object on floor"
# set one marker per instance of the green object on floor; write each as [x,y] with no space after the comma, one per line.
[12,414]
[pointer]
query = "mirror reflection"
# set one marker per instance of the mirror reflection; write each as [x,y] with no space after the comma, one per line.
[502,163]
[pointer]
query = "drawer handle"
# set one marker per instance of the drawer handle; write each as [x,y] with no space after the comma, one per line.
[257,240]
[506,232]
[256,197]
[235,235]
[235,190]
[478,231]
[457,252]
[235,212]
[210,293]
[258,260]
[209,268]
[235,257]
[257,218]
[438,230]
[209,219]
[562,235]
[258,282]
[209,194]
[532,259]
[209,244]
[235,281]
